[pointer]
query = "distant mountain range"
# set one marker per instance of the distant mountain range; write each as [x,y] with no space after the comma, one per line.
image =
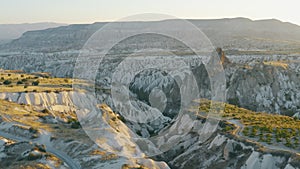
[14,31]
[240,34]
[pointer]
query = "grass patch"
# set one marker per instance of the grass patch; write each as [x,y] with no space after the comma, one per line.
[13,112]
[17,81]
[264,127]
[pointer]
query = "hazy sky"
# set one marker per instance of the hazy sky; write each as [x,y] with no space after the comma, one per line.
[88,11]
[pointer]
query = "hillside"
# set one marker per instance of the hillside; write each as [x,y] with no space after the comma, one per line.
[40,129]
[9,32]
[136,107]
[234,34]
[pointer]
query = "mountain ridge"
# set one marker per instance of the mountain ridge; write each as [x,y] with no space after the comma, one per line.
[14,31]
[229,33]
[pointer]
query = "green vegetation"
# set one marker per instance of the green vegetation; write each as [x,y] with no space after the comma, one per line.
[75,124]
[10,111]
[18,81]
[261,126]
[35,83]
[281,64]
[7,82]
[36,120]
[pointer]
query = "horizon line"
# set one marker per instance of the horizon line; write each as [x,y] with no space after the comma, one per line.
[110,21]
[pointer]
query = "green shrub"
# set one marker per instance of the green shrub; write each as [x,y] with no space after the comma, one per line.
[19,82]
[46,111]
[120,117]
[227,128]
[253,132]
[7,82]
[35,83]
[246,131]
[33,156]
[75,125]
[33,130]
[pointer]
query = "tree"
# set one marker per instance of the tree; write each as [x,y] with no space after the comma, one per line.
[269,138]
[46,111]
[35,83]
[7,82]
[227,128]
[254,131]
[19,82]
[75,125]
[246,131]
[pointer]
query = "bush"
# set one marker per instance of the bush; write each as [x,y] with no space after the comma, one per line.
[246,131]
[33,130]
[33,156]
[120,117]
[253,132]
[234,101]
[35,83]
[46,111]
[19,82]
[7,82]
[227,128]
[75,125]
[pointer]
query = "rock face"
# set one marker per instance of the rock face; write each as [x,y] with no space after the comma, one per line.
[265,88]
[186,142]
[53,101]
[81,149]
[256,86]
[14,155]
[145,84]
[249,83]
[221,151]
[224,60]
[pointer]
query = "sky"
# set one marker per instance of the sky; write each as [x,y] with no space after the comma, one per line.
[89,11]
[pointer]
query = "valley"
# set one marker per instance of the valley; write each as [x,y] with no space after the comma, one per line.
[64,104]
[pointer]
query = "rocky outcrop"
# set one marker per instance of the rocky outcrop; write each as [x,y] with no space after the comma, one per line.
[224,60]
[61,102]
[31,155]
[265,88]
[86,152]
[221,151]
